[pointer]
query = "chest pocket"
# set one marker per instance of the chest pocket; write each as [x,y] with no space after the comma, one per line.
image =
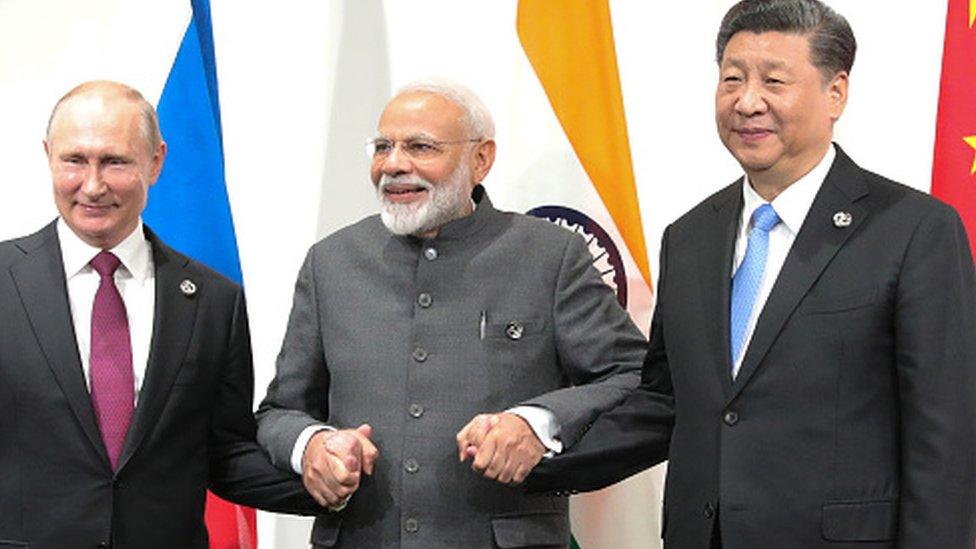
[839,302]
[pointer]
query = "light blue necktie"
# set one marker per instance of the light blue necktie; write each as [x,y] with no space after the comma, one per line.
[745,283]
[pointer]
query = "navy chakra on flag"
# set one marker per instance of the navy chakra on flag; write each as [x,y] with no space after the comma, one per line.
[606,256]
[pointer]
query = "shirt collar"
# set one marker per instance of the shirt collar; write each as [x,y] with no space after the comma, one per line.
[134,252]
[793,204]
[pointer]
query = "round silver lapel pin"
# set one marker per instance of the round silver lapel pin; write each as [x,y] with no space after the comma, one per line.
[188,287]
[514,330]
[842,219]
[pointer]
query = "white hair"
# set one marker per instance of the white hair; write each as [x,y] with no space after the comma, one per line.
[476,115]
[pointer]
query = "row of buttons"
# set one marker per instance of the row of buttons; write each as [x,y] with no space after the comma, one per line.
[411,465]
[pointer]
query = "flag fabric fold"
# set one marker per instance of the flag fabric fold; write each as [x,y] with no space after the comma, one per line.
[584,181]
[189,206]
[954,163]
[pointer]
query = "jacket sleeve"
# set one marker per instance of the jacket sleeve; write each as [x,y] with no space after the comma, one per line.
[239,469]
[632,436]
[935,357]
[298,395]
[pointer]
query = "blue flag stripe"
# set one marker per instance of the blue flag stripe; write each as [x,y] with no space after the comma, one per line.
[188,207]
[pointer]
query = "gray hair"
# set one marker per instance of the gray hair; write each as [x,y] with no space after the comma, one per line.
[476,116]
[832,44]
[148,121]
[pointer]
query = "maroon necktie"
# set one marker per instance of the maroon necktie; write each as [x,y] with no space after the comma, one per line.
[112,382]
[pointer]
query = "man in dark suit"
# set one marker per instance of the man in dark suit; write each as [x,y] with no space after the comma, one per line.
[125,367]
[812,363]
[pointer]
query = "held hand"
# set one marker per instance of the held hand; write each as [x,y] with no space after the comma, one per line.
[506,447]
[334,461]
[472,435]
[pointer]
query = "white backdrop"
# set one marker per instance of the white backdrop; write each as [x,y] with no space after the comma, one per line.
[302,84]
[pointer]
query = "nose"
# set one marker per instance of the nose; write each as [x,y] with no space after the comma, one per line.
[751,101]
[93,186]
[396,163]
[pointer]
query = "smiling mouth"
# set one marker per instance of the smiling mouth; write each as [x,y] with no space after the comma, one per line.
[403,193]
[753,134]
[95,209]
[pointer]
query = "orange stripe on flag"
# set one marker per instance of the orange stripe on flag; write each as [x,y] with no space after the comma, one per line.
[570,45]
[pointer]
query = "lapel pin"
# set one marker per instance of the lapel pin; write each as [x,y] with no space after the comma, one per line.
[514,330]
[842,219]
[188,287]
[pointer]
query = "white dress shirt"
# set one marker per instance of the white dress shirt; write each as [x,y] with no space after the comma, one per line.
[792,206]
[136,281]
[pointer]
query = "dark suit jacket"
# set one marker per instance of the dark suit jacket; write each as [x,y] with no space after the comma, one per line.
[852,421]
[192,427]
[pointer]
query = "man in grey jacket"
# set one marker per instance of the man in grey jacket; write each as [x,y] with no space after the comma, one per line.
[408,326]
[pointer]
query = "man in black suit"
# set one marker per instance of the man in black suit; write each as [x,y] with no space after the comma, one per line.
[125,367]
[811,374]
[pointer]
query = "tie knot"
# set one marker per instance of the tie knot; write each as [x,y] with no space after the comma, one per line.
[105,263]
[764,218]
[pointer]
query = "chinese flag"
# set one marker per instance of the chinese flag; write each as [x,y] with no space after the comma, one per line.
[954,165]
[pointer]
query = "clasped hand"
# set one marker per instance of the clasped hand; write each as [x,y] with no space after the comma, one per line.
[503,447]
[334,462]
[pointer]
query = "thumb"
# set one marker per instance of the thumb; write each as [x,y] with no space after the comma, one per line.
[365,429]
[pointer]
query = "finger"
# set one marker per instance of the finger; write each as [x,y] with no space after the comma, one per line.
[485,455]
[319,491]
[520,474]
[498,468]
[463,436]
[340,474]
[369,451]
[365,430]
[348,448]
[485,424]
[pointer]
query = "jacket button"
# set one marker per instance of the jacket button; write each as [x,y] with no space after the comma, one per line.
[411,465]
[424,300]
[730,418]
[430,254]
[416,411]
[420,354]
[709,510]
[411,525]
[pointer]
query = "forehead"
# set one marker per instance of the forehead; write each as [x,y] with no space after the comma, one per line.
[767,49]
[422,113]
[97,120]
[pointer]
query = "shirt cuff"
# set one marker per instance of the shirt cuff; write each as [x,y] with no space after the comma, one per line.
[301,442]
[543,424]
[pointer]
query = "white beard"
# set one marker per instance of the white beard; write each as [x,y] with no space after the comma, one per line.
[445,202]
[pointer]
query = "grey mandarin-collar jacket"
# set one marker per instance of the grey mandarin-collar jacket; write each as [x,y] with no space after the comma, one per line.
[387,330]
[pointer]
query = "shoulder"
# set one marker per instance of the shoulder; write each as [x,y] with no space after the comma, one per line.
[16,248]
[366,233]
[169,260]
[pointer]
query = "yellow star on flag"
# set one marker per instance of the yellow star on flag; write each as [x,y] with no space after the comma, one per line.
[972,12]
[971,140]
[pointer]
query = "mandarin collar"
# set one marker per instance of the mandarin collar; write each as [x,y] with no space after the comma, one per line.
[470,224]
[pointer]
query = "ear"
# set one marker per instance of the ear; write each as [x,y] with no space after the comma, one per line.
[47,149]
[837,94]
[156,164]
[482,157]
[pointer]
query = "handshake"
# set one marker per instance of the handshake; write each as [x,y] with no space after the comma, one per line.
[502,447]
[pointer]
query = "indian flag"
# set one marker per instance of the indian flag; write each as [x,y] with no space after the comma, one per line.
[568,148]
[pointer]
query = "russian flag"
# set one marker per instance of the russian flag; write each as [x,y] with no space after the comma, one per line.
[189,208]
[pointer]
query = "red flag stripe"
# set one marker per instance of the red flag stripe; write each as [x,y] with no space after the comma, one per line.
[952,169]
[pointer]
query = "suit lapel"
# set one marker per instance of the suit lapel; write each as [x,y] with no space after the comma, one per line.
[172,327]
[815,246]
[40,281]
[715,262]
